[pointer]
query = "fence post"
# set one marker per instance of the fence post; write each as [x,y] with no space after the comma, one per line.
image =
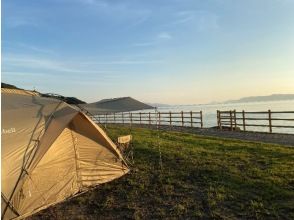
[220,120]
[149,119]
[235,119]
[159,118]
[231,120]
[131,114]
[170,119]
[217,119]
[191,115]
[182,113]
[140,118]
[105,121]
[201,118]
[243,117]
[270,121]
[122,116]
[114,118]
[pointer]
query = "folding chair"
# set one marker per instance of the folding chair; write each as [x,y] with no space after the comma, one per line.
[125,145]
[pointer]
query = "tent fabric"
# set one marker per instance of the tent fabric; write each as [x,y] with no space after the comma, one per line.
[125,104]
[20,91]
[50,152]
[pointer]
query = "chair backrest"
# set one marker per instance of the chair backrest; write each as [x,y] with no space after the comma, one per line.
[124,139]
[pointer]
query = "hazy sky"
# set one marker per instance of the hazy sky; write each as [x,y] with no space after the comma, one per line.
[168,51]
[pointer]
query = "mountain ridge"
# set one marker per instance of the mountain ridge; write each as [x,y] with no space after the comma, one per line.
[273,97]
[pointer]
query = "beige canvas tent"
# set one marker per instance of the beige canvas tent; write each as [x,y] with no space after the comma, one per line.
[50,152]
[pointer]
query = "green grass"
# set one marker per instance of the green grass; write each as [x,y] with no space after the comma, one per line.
[201,178]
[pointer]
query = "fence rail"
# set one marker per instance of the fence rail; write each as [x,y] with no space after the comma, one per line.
[265,121]
[246,120]
[183,119]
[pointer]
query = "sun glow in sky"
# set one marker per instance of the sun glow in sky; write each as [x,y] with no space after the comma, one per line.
[167,51]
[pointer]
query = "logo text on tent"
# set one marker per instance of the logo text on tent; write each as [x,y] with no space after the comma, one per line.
[8,131]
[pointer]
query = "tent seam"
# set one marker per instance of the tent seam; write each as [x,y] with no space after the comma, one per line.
[76,158]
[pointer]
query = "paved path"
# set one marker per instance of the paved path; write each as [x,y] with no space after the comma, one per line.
[282,139]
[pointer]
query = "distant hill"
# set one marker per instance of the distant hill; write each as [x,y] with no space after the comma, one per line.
[69,100]
[159,105]
[8,86]
[274,97]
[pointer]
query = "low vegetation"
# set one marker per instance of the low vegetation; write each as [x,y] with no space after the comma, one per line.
[200,178]
[69,100]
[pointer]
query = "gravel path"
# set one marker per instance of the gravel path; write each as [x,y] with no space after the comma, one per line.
[282,139]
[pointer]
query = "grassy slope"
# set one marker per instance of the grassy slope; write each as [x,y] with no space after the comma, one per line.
[201,178]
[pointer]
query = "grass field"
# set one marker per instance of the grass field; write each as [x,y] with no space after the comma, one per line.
[201,178]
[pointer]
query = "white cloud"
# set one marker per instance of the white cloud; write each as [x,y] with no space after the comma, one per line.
[164,35]
[34,63]
[14,22]
[14,63]
[34,48]
[184,17]
[126,62]
[98,3]
[144,44]
[118,9]
[206,21]
[201,20]
[144,17]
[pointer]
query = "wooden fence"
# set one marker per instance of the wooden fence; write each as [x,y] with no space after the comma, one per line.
[183,119]
[248,120]
[266,121]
